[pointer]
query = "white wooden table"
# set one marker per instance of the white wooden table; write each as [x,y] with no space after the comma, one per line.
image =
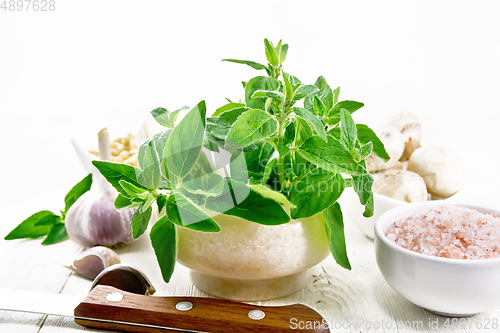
[352,301]
[93,64]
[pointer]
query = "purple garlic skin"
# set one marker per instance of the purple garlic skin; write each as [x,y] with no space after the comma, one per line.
[93,220]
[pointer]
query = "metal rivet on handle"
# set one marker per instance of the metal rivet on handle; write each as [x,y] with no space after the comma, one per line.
[256,314]
[184,306]
[114,297]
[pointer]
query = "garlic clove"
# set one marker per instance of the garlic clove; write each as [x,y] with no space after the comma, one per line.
[125,278]
[93,261]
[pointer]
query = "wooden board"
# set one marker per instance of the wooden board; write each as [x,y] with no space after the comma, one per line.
[352,301]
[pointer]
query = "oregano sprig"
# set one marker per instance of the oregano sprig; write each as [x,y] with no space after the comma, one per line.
[49,224]
[288,146]
[315,143]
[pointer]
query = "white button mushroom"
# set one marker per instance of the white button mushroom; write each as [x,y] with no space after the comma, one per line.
[394,144]
[401,185]
[440,168]
[411,144]
[410,127]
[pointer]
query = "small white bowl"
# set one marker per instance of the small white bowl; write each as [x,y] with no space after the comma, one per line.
[450,287]
[354,210]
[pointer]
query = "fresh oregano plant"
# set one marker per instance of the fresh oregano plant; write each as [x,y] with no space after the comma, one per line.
[288,147]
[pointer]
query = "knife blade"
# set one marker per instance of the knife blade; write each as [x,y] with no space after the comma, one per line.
[110,308]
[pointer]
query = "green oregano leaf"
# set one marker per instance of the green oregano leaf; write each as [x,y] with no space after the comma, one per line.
[312,119]
[207,185]
[251,126]
[80,188]
[369,207]
[282,149]
[335,233]
[303,130]
[347,130]
[166,118]
[161,116]
[319,107]
[227,107]
[284,50]
[365,150]
[259,83]
[270,166]
[140,221]
[133,191]
[315,192]
[363,187]
[184,144]
[325,94]
[336,94]
[56,234]
[123,202]
[252,64]
[251,162]
[365,135]
[350,106]
[185,213]
[277,50]
[160,139]
[268,94]
[331,156]
[114,172]
[238,199]
[303,91]
[161,201]
[37,225]
[218,127]
[288,86]
[268,193]
[164,240]
[147,202]
[150,175]
[271,53]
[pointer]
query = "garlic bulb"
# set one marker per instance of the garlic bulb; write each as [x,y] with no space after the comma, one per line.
[93,218]
[93,261]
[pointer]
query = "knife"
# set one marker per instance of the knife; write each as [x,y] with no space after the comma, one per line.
[108,307]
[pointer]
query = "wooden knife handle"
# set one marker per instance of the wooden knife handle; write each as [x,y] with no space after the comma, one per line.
[104,308]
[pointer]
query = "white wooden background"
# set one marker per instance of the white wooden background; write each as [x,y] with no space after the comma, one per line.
[93,64]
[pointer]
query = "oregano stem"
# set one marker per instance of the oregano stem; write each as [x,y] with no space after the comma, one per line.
[281,171]
[179,182]
[281,134]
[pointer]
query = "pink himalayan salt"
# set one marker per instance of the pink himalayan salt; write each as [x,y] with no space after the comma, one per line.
[450,232]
